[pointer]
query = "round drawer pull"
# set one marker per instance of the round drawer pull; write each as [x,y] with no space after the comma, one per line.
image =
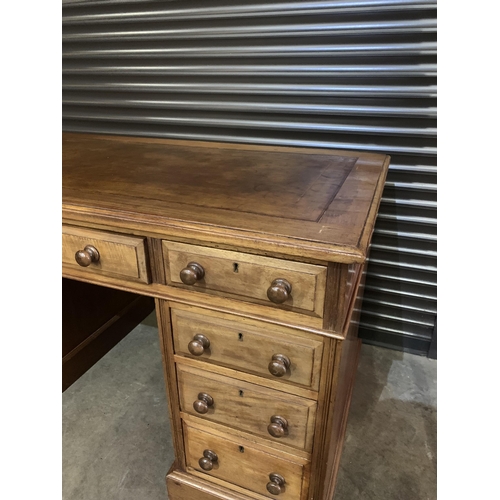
[279,365]
[192,273]
[198,345]
[279,291]
[276,484]
[208,460]
[278,426]
[203,402]
[86,256]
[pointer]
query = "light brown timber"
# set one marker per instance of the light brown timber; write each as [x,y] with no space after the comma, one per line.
[281,235]
[247,276]
[248,346]
[247,407]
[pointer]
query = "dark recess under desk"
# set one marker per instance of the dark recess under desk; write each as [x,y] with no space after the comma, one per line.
[86,338]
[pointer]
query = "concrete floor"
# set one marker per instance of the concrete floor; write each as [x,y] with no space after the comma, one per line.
[117,443]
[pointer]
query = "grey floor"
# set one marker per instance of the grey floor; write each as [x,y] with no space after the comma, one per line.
[117,443]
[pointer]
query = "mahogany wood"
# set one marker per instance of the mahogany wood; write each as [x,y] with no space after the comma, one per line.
[345,371]
[277,445]
[246,276]
[233,451]
[311,203]
[105,253]
[254,255]
[247,407]
[153,248]
[167,350]
[249,347]
[183,486]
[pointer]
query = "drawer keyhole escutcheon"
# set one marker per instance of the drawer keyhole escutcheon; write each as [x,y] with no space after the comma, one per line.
[192,273]
[279,291]
[235,267]
[278,426]
[198,345]
[279,365]
[276,484]
[208,460]
[203,403]
[86,256]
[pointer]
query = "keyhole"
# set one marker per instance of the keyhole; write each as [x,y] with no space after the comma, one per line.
[240,336]
[241,393]
[235,267]
[242,450]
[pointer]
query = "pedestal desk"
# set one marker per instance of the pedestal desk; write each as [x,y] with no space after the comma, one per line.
[254,256]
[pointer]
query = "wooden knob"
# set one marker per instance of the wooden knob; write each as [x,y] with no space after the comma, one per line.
[192,273]
[203,402]
[86,256]
[276,484]
[208,460]
[279,291]
[279,365]
[198,345]
[278,426]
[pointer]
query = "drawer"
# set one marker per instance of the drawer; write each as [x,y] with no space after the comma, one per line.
[259,348]
[289,285]
[117,255]
[243,463]
[268,413]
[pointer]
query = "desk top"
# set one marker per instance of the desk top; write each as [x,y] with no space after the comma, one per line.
[317,203]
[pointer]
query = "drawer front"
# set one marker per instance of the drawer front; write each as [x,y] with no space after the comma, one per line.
[265,412]
[251,347]
[117,255]
[242,463]
[247,277]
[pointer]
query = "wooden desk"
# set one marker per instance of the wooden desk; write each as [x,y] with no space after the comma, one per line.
[255,258]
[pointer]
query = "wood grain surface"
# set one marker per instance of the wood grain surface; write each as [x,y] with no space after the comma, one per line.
[119,255]
[242,462]
[247,407]
[311,202]
[248,215]
[247,347]
[248,276]
[184,486]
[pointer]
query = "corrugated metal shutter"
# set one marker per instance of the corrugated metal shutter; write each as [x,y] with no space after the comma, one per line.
[354,74]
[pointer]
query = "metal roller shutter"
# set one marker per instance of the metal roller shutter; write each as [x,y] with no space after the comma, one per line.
[354,74]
